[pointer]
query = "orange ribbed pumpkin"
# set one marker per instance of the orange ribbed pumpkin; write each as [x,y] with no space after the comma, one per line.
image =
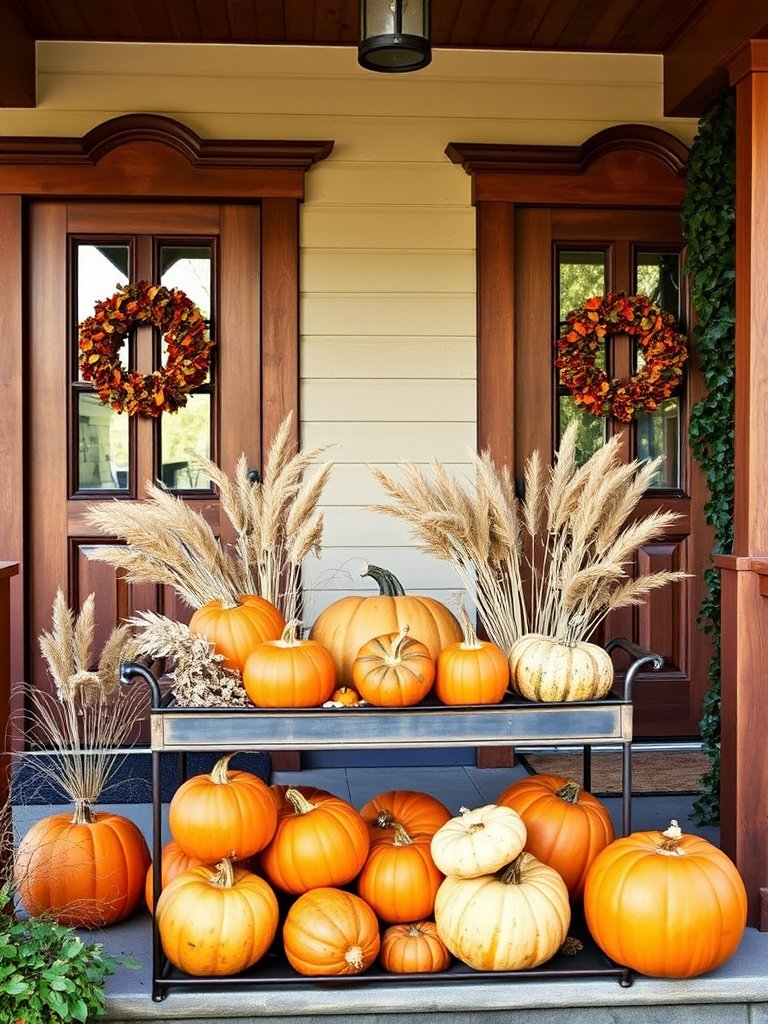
[416,812]
[225,814]
[234,632]
[471,671]
[172,862]
[289,672]
[665,904]
[567,826]
[393,670]
[399,879]
[86,870]
[330,931]
[322,842]
[413,948]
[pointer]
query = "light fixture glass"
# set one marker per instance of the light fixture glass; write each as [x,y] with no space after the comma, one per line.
[394,35]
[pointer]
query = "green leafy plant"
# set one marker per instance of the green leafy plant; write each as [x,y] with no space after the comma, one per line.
[708,217]
[47,973]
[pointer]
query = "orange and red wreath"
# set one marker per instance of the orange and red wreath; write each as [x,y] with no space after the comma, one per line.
[661,343]
[185,336]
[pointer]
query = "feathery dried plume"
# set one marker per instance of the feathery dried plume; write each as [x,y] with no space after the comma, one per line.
[577,564]
[276,521]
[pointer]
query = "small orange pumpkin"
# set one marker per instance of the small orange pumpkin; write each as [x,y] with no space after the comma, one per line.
[567,826]
[413,948]
[471,671]
[225,814]
[317,842]
[345,695]
[393,670]
[235,631]
[330,931]
[216,921]
[289,672]
[399,879]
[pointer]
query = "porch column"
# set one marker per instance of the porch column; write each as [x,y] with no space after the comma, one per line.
[744,674]
[7,571]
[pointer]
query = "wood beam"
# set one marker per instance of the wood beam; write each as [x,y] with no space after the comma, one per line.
[17,60]
[696,64]
[744,609]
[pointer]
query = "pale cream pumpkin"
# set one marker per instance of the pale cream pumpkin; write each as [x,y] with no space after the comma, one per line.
[542,669]
[509,921]
[479,841]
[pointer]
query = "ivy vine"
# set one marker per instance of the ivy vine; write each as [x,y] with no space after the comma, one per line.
[708,217]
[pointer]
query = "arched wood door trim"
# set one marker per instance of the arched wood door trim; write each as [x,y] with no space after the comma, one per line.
[146,156]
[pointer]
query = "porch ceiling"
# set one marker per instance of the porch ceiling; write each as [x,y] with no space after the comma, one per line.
[696,37]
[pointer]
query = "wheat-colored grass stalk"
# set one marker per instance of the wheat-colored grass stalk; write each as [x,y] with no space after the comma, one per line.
[557,562]
[277,522]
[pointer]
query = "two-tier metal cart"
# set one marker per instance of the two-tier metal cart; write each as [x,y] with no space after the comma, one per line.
[514,722]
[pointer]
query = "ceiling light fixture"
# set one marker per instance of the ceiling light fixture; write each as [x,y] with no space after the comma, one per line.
[394,35]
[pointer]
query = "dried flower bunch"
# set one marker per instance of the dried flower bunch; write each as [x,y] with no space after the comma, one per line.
[199,676]
[89,717]
[555,563]
[276,521]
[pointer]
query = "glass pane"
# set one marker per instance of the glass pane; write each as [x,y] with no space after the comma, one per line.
[188,267]
[591,429]
[658,433]
[102,445]
[101,270]
[183,432]
[657,275]
[581,275]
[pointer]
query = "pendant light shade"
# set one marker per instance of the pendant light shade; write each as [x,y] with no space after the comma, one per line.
[394,35]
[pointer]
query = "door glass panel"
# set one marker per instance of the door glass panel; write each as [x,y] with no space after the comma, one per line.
[658,433]
[102,445]
[187,430]
[657,275]
[590,434]
[101,270]
[188,267]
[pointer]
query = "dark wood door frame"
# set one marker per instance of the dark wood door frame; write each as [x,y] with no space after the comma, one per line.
[144,156]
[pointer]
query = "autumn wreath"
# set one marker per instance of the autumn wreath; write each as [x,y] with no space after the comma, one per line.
[184,334]
[661,344]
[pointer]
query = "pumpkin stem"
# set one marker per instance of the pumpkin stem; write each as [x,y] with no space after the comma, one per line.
[475,826]
[510,875]
[569,792]
[384,819]
[220,771]
[394,654]
[225,874]
[300,803]
[354,957]
[84,813]
[671,838]
[289,638]
[470,642]
[401,837]
[389,584]
[414,931]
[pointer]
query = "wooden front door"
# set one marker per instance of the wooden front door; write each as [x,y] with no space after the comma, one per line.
[81,452]
[563,256]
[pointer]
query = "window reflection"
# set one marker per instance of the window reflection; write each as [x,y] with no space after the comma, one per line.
[658,433]
[188,267]
[102,446]
[187,430]
[590,432]
[657,275]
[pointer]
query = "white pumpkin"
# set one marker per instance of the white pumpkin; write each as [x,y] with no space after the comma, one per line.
[542,669]
[511,921]
[478,841]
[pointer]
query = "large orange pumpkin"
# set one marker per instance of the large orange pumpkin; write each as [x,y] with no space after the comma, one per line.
[393,670]
[567,826]
[417,813]
[172,862]
[344,626]
[225,814]
[289,672]
[330,931]
[665,904]
[413,948]
[216,921]
[86,870]
[318,842]
[235,631]
[399,879]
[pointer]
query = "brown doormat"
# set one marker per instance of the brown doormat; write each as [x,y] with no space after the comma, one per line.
[668,771]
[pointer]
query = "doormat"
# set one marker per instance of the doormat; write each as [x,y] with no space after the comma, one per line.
[660,772]
[131,782]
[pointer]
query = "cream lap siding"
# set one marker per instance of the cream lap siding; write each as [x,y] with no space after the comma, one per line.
[387,347]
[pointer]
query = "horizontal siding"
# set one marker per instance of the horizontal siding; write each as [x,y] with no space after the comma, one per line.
[388,311]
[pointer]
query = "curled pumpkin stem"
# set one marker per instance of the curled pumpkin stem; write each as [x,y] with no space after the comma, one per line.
[289,637]
[300,803]
[220,771]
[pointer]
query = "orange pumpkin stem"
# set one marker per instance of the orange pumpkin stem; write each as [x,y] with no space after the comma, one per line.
[225,875]
[569,792]
[300,803]
[83,813]
[220,771]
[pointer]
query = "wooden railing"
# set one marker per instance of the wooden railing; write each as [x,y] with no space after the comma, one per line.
[7,571]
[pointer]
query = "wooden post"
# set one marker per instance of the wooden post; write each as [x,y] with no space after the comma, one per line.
[744,616]
[7,571]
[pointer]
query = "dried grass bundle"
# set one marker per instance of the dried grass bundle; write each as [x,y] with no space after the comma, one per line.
[555,563]
[82,727]
[277,523]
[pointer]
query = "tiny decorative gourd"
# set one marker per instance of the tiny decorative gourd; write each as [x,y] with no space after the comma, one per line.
[393,670]
[544,669]
[479,841]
